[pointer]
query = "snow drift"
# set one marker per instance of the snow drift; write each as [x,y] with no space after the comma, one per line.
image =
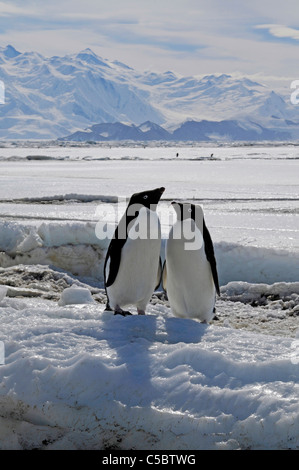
[76,248]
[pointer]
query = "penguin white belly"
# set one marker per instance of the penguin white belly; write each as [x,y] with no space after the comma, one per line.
[139,264]
[190,286]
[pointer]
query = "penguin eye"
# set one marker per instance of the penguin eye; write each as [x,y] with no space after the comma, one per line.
[145,196]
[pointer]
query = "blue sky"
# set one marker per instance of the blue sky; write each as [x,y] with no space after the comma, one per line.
[189,37]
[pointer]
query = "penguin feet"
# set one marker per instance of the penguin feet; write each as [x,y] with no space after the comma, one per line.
[120,311]
[140,311]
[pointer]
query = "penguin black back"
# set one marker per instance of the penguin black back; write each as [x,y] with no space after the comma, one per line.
[209,250]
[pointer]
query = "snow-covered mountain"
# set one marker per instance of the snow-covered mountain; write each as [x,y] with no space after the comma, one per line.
[119,131]
[203,131]
[49,97]
[58,96]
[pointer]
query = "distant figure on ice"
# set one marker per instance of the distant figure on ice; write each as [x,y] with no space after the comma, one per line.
[189,273]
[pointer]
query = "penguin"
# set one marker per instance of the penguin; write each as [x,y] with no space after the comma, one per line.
[190,277]
[132,267]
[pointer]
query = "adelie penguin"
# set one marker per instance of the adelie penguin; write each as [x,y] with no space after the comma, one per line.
[190,273]
[132,268]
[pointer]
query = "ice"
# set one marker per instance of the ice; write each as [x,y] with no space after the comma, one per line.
[77,377]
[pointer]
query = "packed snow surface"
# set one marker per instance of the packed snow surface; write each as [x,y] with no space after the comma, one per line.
[75,376]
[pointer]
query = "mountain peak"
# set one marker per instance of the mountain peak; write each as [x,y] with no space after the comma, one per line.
[90,57]
[87,51]
[10,52]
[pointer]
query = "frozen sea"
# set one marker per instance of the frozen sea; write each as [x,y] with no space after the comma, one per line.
[74,376]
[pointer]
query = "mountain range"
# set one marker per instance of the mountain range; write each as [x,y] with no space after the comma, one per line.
[85,97]
[202,131]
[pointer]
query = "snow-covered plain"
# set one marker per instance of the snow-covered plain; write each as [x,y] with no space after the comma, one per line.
[77,377]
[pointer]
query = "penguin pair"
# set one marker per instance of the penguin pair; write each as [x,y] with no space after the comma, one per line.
[133,267]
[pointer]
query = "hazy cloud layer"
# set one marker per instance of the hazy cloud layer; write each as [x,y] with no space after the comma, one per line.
[186,36]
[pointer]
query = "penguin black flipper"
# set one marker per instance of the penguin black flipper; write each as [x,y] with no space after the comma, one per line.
[209,250]
[114,251]
[113,254]
[159,274]
[164,277]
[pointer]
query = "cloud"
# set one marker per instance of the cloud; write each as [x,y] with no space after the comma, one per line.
[280,31]
[8,10]
[188,37]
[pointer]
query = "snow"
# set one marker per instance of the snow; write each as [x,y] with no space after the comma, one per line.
[75,295]
[77,377]
[51,97]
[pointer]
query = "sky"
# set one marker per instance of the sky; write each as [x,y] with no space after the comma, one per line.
[188,37]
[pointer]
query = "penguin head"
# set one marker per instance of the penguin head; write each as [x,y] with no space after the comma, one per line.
[187,210]
[148,199]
